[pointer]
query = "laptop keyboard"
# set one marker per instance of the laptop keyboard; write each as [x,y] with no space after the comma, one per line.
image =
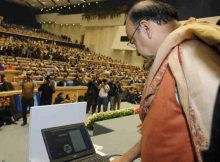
[95,158]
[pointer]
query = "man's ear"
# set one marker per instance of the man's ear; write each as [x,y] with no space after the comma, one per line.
[145,25]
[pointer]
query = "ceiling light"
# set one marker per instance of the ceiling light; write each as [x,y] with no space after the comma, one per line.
[96,2]
[74,5]
[83,6]
[69,8]
[78,4]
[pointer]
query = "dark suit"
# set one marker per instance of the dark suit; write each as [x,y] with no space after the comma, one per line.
[46,94]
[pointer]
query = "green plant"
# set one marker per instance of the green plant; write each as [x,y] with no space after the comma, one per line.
[107,115]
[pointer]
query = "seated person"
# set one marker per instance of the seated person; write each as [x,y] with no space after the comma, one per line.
[10,67]
[2,68]
[59,99]
[5,85]
[62,83]
[5,112]
[67,99]
[77,81]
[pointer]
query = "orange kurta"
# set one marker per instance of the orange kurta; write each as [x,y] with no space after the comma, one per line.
[165,135]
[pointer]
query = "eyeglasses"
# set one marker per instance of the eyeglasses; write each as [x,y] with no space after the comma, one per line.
[131,42]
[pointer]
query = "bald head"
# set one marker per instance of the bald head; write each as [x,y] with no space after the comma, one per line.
[148,24]
[159,12]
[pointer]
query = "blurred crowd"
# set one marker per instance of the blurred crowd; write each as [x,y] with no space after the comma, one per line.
[109,81]
[32,32]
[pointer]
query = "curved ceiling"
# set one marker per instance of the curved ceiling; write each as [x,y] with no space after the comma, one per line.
[50,3]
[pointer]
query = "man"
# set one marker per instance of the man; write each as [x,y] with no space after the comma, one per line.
[177,103]
[92,95]
[118,95]
[10,67]
[2,68]
[60,98]
[5,85]
[47,91]
[103,95]
[111,94]
[62,83]
[77,81]
[27,99]
[6,116]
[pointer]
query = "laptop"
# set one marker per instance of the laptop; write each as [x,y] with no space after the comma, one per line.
[70,143]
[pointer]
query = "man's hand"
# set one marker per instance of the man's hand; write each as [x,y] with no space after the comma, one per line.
[131,155]
[121,159]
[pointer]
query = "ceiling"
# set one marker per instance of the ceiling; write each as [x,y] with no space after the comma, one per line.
[50,3]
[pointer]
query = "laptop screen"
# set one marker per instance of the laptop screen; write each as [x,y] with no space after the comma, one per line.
[67,142]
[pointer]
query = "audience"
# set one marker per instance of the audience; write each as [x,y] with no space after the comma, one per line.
[27,31]
[66,66]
